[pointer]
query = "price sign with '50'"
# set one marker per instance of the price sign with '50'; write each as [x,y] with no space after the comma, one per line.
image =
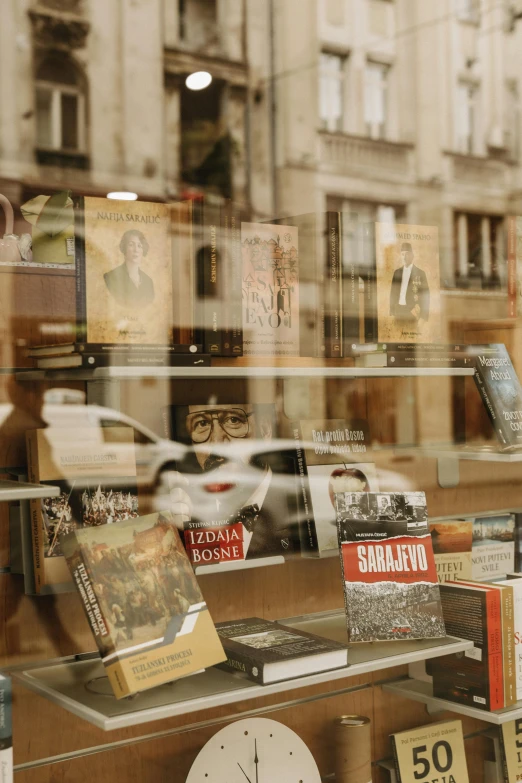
[431,754]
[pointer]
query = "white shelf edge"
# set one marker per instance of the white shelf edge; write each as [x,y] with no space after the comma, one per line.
[18,490]
[246,693]
[129,373]
[463,455]
[417,690]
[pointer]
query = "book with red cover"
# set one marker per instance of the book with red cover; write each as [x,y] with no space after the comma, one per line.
[471,611]
[389,573]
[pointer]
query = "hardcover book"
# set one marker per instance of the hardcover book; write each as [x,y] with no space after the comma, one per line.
[493,551]
[123,272]
[514,254]
[476,677]
[142,601]
[98,487]
[89,360]
[269,652]
[408,283]
[515,582]
[452,542]
[388,568]
[501,394]
[243,489]
[326,454]
[270,263]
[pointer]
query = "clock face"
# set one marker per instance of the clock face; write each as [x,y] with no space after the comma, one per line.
[231,755]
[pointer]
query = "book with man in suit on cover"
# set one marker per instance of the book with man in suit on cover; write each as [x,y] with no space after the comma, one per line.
[408,283]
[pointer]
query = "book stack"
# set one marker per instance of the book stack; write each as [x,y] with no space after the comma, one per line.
[485,676]
[89,357]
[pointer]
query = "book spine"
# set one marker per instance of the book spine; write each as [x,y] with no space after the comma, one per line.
[79,265]
[235,282]
[396,759]
[35,508]
[333,288]
[370,285]
[199,266]
[512,265]
[494,640]
[238,662]
[89,361]
[351,303]
[307,531]
[6,730]
[503,755]
[124,348]
[212,283]
[226,287]
[343,577]
[496,420]
[91,606]
[510,681]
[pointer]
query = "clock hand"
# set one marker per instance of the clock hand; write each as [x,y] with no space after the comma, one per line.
[243,771]
[256,760]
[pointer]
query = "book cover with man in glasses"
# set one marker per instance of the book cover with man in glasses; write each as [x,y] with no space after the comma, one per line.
[241,487]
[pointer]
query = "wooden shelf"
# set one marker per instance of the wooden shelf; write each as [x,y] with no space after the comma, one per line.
[418,690]
[63,681]
[18,490]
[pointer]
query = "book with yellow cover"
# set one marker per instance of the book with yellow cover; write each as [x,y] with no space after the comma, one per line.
[142,601]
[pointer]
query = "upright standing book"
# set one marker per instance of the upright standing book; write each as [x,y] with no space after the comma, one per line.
[501,393]
[408,283]
[270,255]
[332,457]
[388,568]
[493,550]
[142,601]
[452,540]
[98,486]
[124,286]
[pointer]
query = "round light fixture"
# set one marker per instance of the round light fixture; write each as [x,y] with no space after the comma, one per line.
[122,195]
[198,80]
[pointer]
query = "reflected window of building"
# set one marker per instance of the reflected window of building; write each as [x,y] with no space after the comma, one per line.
[331,91]
[60,106]
[376,99]
[512,120]
[468,10]
[480,258]
[378,17]
[197,22]
[467,118]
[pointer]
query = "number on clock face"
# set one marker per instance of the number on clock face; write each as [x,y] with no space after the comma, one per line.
[256,750]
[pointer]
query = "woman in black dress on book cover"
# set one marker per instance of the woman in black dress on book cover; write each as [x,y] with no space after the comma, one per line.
[128,283]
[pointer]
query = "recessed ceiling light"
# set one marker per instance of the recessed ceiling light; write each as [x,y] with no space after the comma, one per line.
[198,80]
[123,195]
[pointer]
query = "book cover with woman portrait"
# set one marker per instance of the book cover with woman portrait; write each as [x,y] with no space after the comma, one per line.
[408,283]
[124,271]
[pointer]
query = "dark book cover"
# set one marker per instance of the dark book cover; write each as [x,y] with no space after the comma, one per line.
[89,360]
[234,281]
[501,394]
[333,315]
[243,489]
[388,567]
[332,457]
[208,235]
[473,677]
[369,268]
[142,601]
[253,644]
[352,272]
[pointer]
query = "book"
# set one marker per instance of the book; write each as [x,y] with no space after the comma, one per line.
[516,584]
[510,751]
[493,549]
[333,295]
[501,393]
[452,541]
[270,274]
[184,283]
[209,248]
[430,754]
[234,282]
[142,601]
[414,355]
[267,651]
[97,486]
[90,360]
[388,568]
[514,265]
[124,285]
[326,450]
[352,280]
[60,349]
[6,729]
[474,678]
[408,283]
[509,676]
[370,283]
[243,487]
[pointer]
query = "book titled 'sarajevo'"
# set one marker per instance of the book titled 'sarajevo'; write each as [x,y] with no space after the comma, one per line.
[501,394]
[389,574]
[123,271]
[408,283]
[268,651]
[98,486]
[142,601]
[270,289]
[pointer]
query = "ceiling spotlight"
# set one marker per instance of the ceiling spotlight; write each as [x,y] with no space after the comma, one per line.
[198,80]
[122,195]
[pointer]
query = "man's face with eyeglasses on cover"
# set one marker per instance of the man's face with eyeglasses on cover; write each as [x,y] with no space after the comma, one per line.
[219,425]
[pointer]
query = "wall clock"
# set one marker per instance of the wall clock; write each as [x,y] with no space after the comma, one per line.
[255,750]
